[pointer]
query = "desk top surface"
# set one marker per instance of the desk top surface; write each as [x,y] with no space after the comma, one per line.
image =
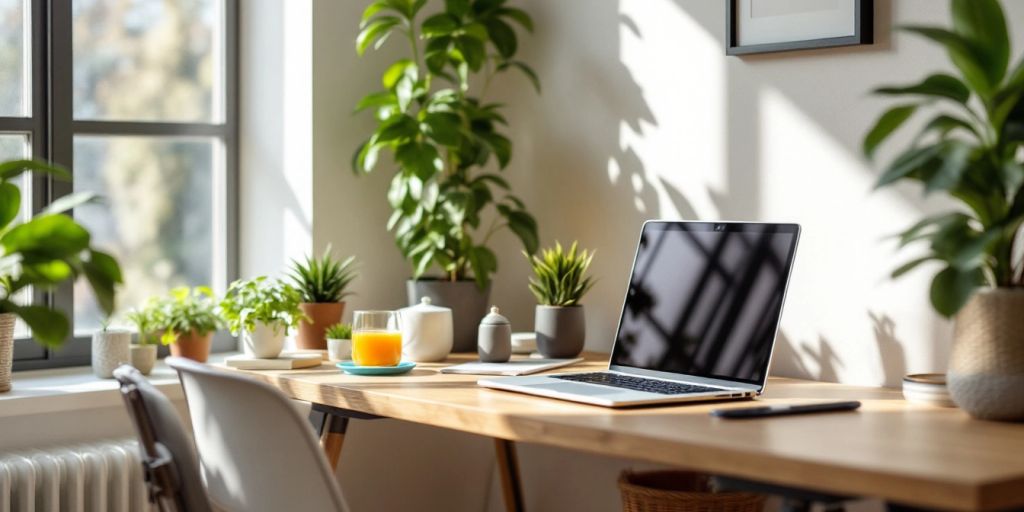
[913,454]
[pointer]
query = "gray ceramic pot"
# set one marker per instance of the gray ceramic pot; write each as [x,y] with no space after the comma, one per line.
[467,302]
[561,331]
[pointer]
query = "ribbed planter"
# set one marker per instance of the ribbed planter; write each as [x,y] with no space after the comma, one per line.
[561,331]
[466,300]
[6,349]
[192,345]
[986,366]
[310,335]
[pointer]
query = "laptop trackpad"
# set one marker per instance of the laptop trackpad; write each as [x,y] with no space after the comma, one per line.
[578,389]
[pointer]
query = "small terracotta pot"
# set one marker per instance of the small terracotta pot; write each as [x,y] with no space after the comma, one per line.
[321,315]
[192,345]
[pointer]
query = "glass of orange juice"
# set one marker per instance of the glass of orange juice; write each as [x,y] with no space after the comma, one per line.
[376,338]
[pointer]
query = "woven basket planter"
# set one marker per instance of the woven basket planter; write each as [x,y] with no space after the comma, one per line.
[6,350]
[681,491]
[986,366]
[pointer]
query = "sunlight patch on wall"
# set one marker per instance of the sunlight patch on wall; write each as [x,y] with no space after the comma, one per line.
[682,144]
[807,177]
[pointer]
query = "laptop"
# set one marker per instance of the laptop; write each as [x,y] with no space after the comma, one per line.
[699,321]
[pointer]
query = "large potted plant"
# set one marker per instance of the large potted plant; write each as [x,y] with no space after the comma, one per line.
[434,118]
[971,150]
[323,283]
[559,282]
[261,311]
[187,320]
[48,250]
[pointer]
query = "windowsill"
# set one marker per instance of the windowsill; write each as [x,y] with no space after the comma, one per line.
[76,388]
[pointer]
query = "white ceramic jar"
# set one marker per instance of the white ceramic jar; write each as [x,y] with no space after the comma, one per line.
[426,332]
[265,341]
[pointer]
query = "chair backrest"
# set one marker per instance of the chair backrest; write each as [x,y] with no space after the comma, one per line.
[257,452]
[168,455]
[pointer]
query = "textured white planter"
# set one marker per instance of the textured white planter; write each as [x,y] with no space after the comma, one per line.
[143,358]
[6,350]
[264,341]
[110,349]
[339,350]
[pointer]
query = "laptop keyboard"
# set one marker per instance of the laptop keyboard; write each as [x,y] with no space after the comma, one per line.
[616,380]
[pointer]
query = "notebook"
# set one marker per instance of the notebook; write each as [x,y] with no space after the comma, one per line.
[285,361]
[513,368]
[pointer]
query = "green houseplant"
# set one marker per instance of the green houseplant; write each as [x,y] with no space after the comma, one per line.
[559,282]
[323,283]
[186,319]
[339,341]
[261,311]
[43,252]
[970,149]
[434,118]
[144,351]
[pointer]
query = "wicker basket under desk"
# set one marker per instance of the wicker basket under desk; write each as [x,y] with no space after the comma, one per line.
[680,491]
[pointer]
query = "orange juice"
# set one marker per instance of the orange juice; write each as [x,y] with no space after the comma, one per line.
[377,348]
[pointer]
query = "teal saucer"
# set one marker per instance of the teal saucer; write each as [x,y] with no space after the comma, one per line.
[352,368]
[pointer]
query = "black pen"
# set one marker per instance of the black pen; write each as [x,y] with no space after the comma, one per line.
[782,410]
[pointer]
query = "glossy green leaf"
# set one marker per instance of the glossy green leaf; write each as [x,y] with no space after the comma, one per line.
[103,274]
[911,161]
[399,127]
[955,160]
[404,68]
[526,70]
[442,24]
[952,288]
[457,8]
[376,100]
[71,201]
[371,11]
[519,16]
[525,227]
[501,146]
[10,203]
[472,51]
[443,128]
[910,265]
[13,168]
[982,22]
[475,30]
[420,159]
[888,123]
[374,30]
[939,85]
[49,327]
[502,37]
[55,236]
[942,124]
[484,263]
[964,56]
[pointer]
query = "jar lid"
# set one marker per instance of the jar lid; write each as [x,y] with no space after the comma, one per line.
[494,318]
[425,306]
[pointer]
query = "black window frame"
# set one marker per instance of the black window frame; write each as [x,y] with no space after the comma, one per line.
[52,127]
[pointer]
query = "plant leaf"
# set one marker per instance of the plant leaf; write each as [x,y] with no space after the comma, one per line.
[955,160]
[964,56]
[519,15]
[982,22]
[952,288]
[10,203]
[49,327]
[910,265]
[374,30]
[525,227]
[71,201]
[888,123]
[911,161]
[939,85]
[56,236]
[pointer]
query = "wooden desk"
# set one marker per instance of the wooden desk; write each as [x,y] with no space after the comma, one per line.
[909,454]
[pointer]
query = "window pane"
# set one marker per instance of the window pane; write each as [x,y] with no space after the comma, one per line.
[13,58]
[156,218]
[147,60]
[12,147]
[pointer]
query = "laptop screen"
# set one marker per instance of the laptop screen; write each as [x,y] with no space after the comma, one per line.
[705,299]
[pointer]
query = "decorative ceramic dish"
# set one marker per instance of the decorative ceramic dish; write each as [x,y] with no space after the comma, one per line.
[354,369]
[927,388]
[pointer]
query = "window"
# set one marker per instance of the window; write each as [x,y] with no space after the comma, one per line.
[137,98]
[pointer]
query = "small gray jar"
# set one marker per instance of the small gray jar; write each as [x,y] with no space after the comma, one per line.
[561,331]
[494,338]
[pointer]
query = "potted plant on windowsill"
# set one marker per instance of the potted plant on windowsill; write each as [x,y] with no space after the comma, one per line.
[971,150]
[323,283]
[43,252]
[111,347]
[187,319]
[443,138]
[559,282]
[144,351]
[261,311]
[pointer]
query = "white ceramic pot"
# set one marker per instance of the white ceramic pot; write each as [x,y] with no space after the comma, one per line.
[143,358]
[339,350]
[110,349]
[265,341]
[426,332]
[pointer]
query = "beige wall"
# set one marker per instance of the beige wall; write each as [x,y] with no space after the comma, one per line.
[642,116]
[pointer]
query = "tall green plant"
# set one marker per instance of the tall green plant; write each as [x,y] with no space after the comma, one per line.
[323,279]
[970,149]
[560,276]
[442,136]
[48,250]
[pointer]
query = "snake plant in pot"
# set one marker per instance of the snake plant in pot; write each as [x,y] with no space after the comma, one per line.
[323,283]
[559,283]
[971,149]
[434,118]
[41,253]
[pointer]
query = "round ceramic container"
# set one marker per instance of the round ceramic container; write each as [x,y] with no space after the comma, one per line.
[927,388]
[524,342]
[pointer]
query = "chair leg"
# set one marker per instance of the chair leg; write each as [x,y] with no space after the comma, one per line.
[508,467]
[332,437]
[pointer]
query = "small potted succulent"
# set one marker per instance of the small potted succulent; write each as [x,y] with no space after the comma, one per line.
[110,349]
[143,351]
[559,282]
[323,283]
[187,318]
[261,311]
[339,342]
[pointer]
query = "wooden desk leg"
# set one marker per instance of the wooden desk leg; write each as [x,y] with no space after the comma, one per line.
[508,466]
[332,437]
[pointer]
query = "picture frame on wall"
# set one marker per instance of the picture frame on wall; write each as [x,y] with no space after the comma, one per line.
[768,26]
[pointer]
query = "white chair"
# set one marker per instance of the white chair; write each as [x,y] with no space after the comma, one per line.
[257,452]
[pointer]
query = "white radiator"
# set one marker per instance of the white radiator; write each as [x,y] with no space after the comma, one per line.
[99,477]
